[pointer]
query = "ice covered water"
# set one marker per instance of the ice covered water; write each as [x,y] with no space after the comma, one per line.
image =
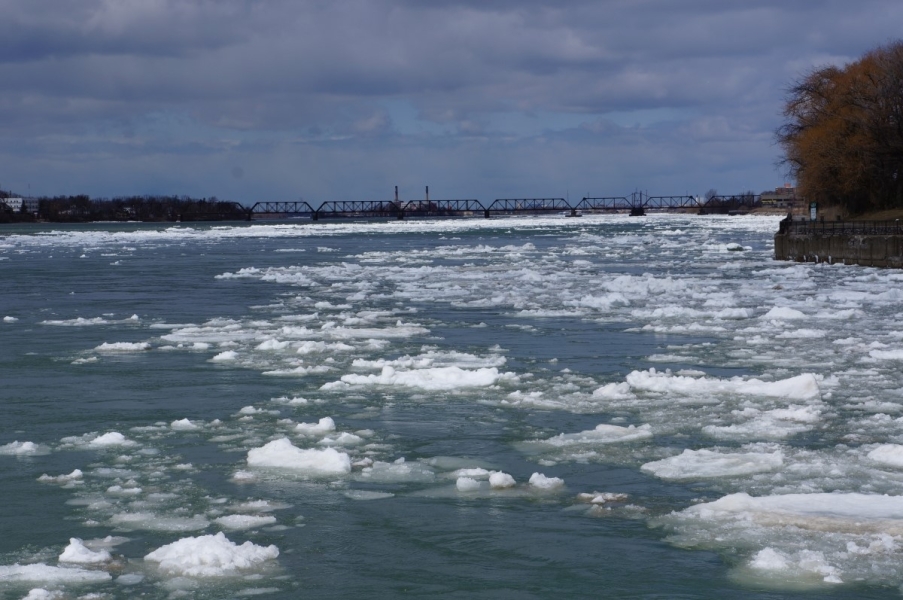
[248,410]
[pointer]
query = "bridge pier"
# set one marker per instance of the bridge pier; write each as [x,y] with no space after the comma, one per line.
[486,214]
[637,211]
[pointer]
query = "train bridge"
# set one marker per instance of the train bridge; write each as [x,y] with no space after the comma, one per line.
[637,204]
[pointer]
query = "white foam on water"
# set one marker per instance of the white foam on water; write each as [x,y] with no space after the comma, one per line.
[703,464]
[211,556]
[282,454]
[9,319]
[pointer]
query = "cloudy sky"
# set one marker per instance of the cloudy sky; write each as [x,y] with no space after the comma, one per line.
[254,100]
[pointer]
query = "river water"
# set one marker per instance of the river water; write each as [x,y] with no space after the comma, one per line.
[603,406]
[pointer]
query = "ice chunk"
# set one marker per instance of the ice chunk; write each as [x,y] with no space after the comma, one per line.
[538,480]
[602,434]
[42,594]
[399,471]
[324,425]
[820,511]
[436,378]
[53,575]
[614,391]
[237,522]
[77,552]
[890,455]
[225,356]
[152,522]
[210,556]
[114,347]
[784,313]
[283,454]
[74,477]
[499,480]
[801,387]
[467,484]
[700,464]
[112,438]
[18,448]
[184,425]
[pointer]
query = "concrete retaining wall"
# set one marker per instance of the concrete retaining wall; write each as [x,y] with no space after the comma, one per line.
[849,249]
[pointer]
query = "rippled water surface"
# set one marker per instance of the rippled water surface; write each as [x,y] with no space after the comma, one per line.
[508,408]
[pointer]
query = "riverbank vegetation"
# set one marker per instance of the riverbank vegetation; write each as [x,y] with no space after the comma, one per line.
[843,138]
[83,209]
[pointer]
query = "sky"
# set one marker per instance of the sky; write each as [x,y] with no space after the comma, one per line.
[263,100]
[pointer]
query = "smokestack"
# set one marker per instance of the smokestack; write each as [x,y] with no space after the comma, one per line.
[427,193]
[396,194]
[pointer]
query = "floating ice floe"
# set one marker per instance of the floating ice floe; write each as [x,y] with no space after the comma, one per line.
[283,454]
[46,574]
[499,480]
[17,448]
[467,484]
[801,387]
[77,552]
[400,471]
[602,434]
[828,536]
[890,455]
[239,522]
[147,521]
[69,480]
[184,425]
[784,313]
[210,556]
[540,481]
[113,347]
[321,427]
[436,378]
[776,424]
[703,464]
[112,438]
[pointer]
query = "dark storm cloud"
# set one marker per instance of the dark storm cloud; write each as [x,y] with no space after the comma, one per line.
[300,94]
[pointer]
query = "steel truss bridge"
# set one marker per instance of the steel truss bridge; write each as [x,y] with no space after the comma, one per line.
[637,204]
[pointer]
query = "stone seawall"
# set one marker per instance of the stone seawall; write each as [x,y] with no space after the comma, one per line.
[871,250]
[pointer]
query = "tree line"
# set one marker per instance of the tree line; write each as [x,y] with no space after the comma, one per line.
[843,137]
[82,209]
